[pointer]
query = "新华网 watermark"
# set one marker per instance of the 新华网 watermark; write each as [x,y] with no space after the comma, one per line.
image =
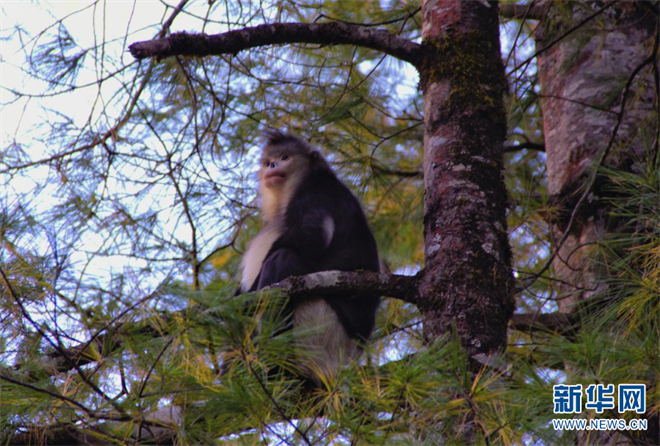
[567,399]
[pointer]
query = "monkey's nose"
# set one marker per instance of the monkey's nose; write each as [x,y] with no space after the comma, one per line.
[272,164]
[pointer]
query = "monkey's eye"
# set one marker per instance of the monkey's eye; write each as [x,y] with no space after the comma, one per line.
[285,157]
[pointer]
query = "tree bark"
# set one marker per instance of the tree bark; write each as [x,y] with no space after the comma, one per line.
[467,283]
[585,119]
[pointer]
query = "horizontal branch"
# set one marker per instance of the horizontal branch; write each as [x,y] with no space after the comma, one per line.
[231,42]
[561,323]
[339,282]
[528,145]
[398,173]
[522,11]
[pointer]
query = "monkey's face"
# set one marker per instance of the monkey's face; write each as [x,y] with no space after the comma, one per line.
[280,167]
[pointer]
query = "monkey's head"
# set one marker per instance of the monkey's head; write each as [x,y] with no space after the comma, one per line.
[286,160]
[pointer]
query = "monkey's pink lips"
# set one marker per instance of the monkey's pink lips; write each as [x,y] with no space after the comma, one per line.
[274,178]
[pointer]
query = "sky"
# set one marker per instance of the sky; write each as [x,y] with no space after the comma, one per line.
[86,24]
[21,118]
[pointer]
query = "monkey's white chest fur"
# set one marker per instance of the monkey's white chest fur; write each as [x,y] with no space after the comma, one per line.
[259,247]
[256,253]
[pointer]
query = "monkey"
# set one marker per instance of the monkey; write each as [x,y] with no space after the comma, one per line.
[312,223]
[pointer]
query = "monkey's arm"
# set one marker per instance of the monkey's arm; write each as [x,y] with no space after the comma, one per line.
[280,264]
[300,248]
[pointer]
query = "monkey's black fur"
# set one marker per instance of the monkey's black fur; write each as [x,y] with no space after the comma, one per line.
[301,247]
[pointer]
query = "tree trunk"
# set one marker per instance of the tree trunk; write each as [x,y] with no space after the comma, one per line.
[598,93]
[583,78]
[467,283]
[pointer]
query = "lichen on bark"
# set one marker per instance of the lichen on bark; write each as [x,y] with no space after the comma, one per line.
[467,285]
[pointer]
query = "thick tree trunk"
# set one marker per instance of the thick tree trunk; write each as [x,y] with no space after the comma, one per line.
[598,90]
[467,283]
[583,78]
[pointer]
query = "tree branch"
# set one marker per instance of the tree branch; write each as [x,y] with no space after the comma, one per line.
[231,42]
[522,11]
[398,173]
[338,282]
[561,323]
[529,145]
